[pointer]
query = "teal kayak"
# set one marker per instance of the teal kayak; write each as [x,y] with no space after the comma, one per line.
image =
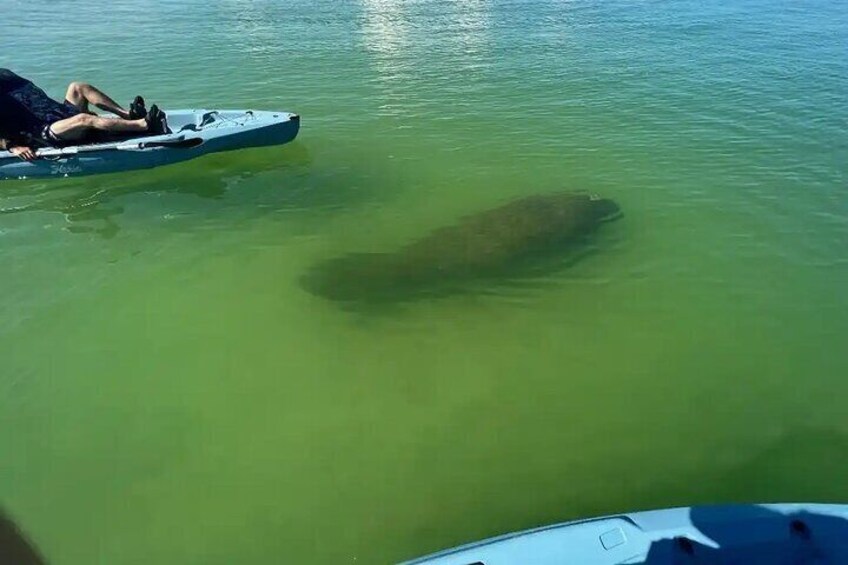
[193,133]
[796,534]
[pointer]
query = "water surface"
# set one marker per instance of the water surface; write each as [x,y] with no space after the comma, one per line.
[170,394]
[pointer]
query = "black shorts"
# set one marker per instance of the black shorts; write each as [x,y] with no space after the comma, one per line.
[71,108]
[46,135]
[49,138]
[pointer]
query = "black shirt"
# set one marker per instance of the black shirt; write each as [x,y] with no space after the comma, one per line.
[25,109]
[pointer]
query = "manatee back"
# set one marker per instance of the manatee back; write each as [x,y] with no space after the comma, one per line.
[489,243]
[490,240]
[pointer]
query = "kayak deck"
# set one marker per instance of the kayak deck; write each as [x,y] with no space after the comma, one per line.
[193,133]
[750,534]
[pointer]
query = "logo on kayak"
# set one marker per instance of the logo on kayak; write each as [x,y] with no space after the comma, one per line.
[65,168]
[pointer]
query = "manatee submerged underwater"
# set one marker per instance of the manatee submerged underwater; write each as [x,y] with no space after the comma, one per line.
[485,245]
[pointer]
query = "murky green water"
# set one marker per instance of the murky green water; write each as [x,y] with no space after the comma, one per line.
[170,394]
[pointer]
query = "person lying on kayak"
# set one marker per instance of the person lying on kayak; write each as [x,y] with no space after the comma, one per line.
[30,119]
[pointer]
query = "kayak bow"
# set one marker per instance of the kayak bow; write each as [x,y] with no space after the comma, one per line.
[750,534]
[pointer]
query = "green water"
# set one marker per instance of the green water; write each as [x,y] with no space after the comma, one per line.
[170,394]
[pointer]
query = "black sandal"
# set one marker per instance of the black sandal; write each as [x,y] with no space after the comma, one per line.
[137,109]
[157,121]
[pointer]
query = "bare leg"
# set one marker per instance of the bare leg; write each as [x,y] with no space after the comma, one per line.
[81,94]
[73,129]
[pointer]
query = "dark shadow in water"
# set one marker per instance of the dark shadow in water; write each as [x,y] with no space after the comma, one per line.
[87,208]
[512,248]
[805,464]
[756,535]
[89,203]
[809,464]
[802,464]
[543,269]
[15,548]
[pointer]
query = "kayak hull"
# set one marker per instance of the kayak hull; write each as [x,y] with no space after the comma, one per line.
[751,534]
[194,133]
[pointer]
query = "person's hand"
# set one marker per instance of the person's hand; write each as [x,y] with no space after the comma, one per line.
[25,153]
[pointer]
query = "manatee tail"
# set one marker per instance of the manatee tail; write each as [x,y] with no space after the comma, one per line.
[357,276]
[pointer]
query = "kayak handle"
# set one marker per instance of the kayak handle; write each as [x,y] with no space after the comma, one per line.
[173,144]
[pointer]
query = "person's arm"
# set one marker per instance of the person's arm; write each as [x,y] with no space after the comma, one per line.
[24,152]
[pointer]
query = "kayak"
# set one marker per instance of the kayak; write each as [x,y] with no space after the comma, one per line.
[193,133]
[750,534]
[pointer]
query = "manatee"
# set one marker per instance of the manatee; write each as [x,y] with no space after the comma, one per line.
[484,245]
